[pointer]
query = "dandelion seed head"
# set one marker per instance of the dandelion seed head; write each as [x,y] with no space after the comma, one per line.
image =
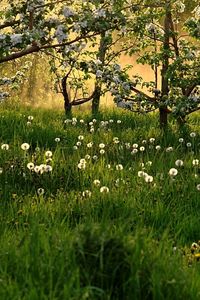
[142,149]
[48,168]
[158,147]
[40,191]
[101,146]
[148,178]
[78,144]
[25,146]
[192,134]
[189,145]
[135,146]
[82,166]
[87,157]
[30,166]
[119,167]
[89,145]
[173,172]
[67,121]
[152,140]
[87,193]
[116,140]
[169,149]
[80,137]
[104,189]
[97,182]
[127,145]
[102,151]
[37,169]
[195,162]
[82,161]
[5,147]
[179,163]
[134,151]
[141,173]
[48,154]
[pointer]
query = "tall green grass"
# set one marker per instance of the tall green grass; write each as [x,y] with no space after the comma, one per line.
[71,241]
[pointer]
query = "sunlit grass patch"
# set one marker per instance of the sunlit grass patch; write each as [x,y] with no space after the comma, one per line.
[94,208]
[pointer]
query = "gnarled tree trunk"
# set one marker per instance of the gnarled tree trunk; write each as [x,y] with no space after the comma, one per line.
[67,103]
[163,110]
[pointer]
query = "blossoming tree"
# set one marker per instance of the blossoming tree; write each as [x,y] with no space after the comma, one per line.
[68,30]
[171,48]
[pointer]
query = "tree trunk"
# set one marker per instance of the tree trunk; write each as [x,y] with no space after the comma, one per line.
[67,103]
[164,79]
[101,57]
[96,99]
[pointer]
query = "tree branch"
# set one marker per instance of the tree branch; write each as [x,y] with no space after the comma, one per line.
[37,48]
[9,23]
[153,100]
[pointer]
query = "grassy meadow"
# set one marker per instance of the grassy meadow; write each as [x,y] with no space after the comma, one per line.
[104,208]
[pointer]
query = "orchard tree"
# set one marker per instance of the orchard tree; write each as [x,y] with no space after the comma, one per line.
[61,29]
[171,49]
[66,31]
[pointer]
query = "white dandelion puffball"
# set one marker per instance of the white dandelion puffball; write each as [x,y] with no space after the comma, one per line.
[195,162]
[101,146]
[40,191]
[189,145]
[57,140]
[141,173]
[5,147]
[158,147]
[173,172]
[30,166]
[148,178]
[134,151]
[25,146]
[179,163]
[192,134]
[89,145]
[104,189]
[87,193]
[151,140]
[198,187]
[142,149]
[102,151]
[48,154]
[96,182]
[119,167]
[80,137]
[135,146]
